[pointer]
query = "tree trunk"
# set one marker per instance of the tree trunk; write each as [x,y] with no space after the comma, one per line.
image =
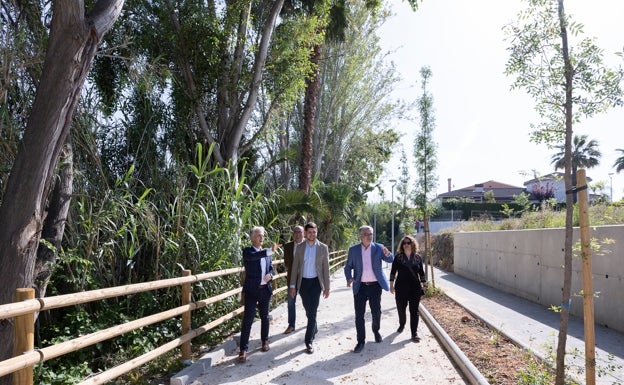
[284,142]
[309,113]
[189,79]
[233,139]
[319,136]
[567,258]
[54,224]
[73,41]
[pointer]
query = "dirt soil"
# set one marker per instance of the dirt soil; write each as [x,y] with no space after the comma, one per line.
[496,357]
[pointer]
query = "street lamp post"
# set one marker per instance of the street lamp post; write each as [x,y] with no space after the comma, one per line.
[611,185]
[374,223]
[393,181]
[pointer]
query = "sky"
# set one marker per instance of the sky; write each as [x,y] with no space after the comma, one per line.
[482,126]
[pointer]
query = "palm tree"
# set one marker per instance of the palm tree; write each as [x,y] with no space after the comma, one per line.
[584,154]
[619,162]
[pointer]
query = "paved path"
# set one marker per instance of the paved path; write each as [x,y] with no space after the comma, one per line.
[396,360]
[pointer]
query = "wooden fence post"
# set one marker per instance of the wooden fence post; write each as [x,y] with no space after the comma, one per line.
[24,337]
[588,288]
[186,317]
[242,295]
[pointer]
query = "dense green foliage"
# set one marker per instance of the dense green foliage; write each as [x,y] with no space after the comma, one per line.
[159,184]
[120,238]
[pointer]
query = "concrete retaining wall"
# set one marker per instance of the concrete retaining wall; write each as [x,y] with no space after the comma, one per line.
[529,264]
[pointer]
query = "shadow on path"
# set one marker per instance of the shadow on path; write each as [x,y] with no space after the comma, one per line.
[396,359]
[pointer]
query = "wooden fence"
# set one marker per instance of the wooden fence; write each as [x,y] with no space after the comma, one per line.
[23,311]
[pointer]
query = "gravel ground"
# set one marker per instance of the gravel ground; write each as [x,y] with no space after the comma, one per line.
[396,360]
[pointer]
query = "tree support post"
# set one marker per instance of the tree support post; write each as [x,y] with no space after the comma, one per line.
[588,290]
[186,318]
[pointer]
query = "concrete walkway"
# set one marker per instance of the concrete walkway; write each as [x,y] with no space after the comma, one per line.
[396,360]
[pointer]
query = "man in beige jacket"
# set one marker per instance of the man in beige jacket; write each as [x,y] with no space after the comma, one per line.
[310,277]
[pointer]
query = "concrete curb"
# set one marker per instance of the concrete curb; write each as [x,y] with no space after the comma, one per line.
[471,373]
[202,365]
[569,376]
[199,367]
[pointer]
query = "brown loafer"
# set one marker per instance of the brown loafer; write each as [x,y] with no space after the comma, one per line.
[242,356]
[265,346]
[289,329]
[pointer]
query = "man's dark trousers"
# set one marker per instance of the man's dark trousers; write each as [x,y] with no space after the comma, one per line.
[310,292]
[262,298]
[372,294]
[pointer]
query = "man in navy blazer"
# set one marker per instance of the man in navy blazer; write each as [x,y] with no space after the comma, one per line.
[363,270]
[257,289]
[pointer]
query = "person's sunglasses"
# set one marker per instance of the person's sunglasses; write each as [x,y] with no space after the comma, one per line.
[407,242]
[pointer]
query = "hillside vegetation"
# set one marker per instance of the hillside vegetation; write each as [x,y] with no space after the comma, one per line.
[599,215]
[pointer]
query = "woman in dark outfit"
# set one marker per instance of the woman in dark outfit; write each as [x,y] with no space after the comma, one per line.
[411,283]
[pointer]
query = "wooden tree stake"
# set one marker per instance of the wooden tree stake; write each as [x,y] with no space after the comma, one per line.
[588,290]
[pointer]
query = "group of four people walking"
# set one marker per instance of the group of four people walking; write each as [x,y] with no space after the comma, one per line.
[307,264]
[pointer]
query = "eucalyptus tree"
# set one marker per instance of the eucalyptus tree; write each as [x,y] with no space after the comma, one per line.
[237,58]
[213,64]
[585,154]
[21,40]
[567,82]
[74,36]
[277,118]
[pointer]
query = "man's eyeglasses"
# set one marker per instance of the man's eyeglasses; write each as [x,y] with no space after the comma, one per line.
[367,234]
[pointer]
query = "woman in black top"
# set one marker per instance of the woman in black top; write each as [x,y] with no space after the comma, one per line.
[411,283]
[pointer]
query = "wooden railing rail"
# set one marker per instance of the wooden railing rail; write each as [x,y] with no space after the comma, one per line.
[337,261]
[25,356]
[47,303]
